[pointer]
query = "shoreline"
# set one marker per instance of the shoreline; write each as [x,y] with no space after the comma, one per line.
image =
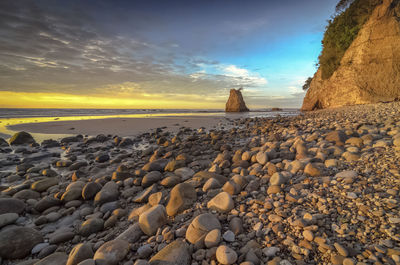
[123,125]
[118,126]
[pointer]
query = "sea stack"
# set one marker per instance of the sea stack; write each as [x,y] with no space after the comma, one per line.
[369,71]
[236,102]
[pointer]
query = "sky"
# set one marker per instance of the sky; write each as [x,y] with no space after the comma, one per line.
[158,54]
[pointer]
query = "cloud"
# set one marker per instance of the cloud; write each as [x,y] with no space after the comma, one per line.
[244,76]
[72,48]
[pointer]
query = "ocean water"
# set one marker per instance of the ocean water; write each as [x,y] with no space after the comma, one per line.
[9,117]
[6,113]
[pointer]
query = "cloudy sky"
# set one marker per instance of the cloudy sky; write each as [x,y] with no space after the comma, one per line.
[158,54]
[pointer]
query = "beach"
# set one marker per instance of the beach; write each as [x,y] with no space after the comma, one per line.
[56,124]
[315,188]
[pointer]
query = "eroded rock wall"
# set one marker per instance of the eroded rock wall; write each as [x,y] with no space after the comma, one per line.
[369,71]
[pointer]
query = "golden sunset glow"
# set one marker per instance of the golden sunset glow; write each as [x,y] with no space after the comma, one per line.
[10,99]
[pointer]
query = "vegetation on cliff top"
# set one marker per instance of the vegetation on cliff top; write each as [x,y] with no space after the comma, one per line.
[341,32]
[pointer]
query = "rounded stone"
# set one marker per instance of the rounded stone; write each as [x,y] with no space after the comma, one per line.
[152,219]
[212,238]
[10,205]
[7,218]
[79,253]
[111,252]
[21,138]
[277,179]
[182,197]
[308,235]
[93,225]
[176,253]
[55,258]
[90,190]
[151,178]
[17,242]
[222,202]
[200,226]
[229,236]
[226,255]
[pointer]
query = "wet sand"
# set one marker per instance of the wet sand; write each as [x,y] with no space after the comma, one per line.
[120,126]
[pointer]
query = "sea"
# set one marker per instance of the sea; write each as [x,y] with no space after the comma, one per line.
[13,116]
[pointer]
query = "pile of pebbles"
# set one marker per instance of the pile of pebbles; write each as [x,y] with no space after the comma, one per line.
[318,188]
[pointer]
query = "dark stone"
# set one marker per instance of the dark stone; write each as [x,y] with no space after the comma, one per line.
[21,138]
[9,205]
[17,242]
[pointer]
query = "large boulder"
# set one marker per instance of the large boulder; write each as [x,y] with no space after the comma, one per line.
[182,197]
[200,226]
[17,242]
[222,202]
[11,205]
[368,71]
[80,253]
[235,102]
[21,138]
[176,253]
[111,252]
[152,219]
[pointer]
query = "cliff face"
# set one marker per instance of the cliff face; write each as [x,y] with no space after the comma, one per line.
[369,71]
[235,102]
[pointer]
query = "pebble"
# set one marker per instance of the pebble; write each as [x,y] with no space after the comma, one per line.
[229,236]
[226,255]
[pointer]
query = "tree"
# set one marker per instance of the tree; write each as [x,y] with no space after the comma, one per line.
[342,5]
[307,83]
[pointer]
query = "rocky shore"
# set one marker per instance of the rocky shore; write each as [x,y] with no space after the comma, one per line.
[318,188]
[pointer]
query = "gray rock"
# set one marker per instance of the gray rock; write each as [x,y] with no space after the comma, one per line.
[222,202]
[236,225]
[44,184]
[93,225]
[262,157]
[46,202]
[200,226]
[26,194]
[90,190]
[279,178]
[145,251]
[28,262]
[176,253]
[61,237]
[17,242]
[87,262]
[182,197]
[151,178]
[55,258]
[212,238]
[152,219]
[156,165]
[21,138]
[229,236]
[72,194]
[144,195]
[111,252]
[9,205]
[79,253]
[184,173]
[7,218]
[226,255]
[132,234]
[108,193]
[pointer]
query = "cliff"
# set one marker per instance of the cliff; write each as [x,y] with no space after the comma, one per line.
[369,71]
[235,102]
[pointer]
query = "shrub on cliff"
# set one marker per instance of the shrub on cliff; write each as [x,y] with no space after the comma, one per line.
[342,30]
